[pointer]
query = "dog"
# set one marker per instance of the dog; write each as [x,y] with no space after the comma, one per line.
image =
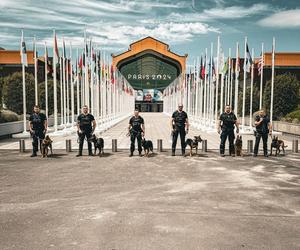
[277,144]
[98,144]
[45,146]
[193,144]
[238,146]
[147,146]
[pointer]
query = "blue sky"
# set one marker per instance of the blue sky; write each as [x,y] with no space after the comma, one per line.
[188,26]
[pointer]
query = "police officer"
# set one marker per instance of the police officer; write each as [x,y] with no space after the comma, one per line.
[38,127]
[86,125]
[179,125]
[226,129]
[263,129]
[136,130]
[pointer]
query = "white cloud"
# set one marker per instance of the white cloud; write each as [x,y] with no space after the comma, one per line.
[282,19]
[169,32]
[235,12]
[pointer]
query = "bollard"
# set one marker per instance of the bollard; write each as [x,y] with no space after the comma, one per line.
[114,145]
[22,145]
[68,146]
[204,146]
[159,145]
[295,146]
[250,146]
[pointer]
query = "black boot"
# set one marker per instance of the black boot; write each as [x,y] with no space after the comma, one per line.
[173,152]
[33,154]
[131,154]
[183,153]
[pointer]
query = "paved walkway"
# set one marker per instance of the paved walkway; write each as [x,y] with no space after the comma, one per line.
[156,203]
[157,127]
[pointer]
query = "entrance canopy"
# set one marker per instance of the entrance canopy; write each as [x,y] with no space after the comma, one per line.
[149,64]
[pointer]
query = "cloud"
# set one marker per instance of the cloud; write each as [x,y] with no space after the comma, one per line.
[168,32]
[236,12]
[282,19]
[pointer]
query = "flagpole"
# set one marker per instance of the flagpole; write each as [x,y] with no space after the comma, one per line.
[46,79]
[205,89]
[54,84]
[67,87]
[72,87]
[225,90]
[23,54]
[229,93]
[231,83]
[97,85]
[197,89]
[251,90]
[236,92]
[35,74]
[272,80]
[86,82]
[64,84]
[261,75]
[211,82]
[244,85]
[77,83]
[101,87]
[61,92]
[92,77]
[217,83]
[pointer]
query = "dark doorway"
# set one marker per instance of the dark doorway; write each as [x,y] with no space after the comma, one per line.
[149,107]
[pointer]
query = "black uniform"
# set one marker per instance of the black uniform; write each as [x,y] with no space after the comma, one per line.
[179,126]
[85,125]
[228,121]
[136,132]
[262,131]
[37,120]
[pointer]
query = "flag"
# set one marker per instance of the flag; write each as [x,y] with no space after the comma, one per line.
[237,62]
[112,74]
[23,52]
[225,67]
[248,59]
[49,67]
[211,69]
[260,65]
[221,60]
[202,69]
[80,64]
[64,50]
[56,47]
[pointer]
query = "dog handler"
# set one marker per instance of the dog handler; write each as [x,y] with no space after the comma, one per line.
[226,124]
[136,130]
[263,129]
[179,125]
[38,127]
[86,125]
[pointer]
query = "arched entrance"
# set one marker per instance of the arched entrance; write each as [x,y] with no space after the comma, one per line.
[149,66]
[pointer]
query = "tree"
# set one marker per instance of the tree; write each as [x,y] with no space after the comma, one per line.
[286,95]
[13,92]
[255,100]
[42,98]
[1,91]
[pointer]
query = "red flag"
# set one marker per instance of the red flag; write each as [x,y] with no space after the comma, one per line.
[112,74]
[56,47]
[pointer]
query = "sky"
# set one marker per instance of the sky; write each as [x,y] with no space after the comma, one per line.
[187,26]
